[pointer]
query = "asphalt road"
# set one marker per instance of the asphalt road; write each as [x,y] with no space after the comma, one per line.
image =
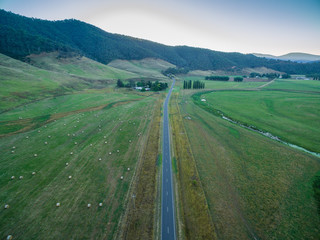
[168,230]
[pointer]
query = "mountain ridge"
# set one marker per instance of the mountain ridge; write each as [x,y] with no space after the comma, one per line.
[21,36]
[293,56]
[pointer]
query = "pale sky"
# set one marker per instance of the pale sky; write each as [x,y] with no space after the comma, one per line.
[248,26]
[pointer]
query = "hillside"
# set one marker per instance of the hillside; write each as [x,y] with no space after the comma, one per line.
[21,36]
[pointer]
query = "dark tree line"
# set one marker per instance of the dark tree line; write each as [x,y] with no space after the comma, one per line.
[314,76]
[154,86]
[238,79]
[193,84]
[217,78]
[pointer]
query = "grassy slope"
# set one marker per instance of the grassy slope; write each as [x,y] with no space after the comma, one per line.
[21,83]
[144,68]
[32,212]
[254,186]
[78,66]
[291,116]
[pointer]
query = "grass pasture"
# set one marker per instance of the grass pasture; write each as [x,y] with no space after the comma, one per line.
[255,187]
[292,116]
[79,139]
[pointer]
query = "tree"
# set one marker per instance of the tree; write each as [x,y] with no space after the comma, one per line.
[120,84]
[238,79]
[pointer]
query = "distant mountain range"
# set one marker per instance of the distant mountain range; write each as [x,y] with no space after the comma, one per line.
[21,36]
[295,57]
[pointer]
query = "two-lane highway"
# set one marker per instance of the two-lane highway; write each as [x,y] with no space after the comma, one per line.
[168,230]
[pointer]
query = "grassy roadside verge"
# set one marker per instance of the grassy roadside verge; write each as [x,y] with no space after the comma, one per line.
[196,220]
[139,220]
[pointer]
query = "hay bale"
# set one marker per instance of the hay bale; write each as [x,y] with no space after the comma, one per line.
[9,237]
[57,204]
[46,143]
[64,124]
[106,142]
[100,204]
[14,147]
[128,169]
[6,206]
[90,144]
[70,177]
[12,151]
[21,177]
[38,131]
[71,153]
[45,126]
[68,134]
[27,137]
[99,129]
[73,134]
[13,177]
[75,143]
[49,136]
[118,150]
[109,153]
[100,159]
[67,164]
[130,141]
[121,177]
[89,205]
[36,155]
[33,173]
[104,136]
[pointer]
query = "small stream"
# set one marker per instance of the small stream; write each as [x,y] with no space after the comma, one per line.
[269,135]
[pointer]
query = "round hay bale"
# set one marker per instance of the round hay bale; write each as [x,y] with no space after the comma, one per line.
[21,177]
[75,143]
[13,147]
[33,173]
[121,177]
[100,204]
[104,136]
[13,177]
[128,169]
[45,126]
[71,153]
[49,136]
[118,150]
[109,153]
[38,131]
[70,177]
[46,143]
[105,142]
[68,134]
[6,206]
[12,151]
[67,164]
[27,137]
[100,159]
[73,134]
[57,204]
[89,205]
[9,237]
[36,155]
[90,144]
[64,124]
[129,140]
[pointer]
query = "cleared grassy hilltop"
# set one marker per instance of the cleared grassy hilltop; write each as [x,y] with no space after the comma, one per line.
[255,186]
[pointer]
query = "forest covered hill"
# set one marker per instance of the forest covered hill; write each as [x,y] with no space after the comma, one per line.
[21,36]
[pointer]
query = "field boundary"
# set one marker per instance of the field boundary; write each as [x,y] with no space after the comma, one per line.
[197,222]
[138,220]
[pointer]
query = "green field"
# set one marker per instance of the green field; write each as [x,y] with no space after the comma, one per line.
[115,134]
[297,85]
[255,187]
[291,116]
